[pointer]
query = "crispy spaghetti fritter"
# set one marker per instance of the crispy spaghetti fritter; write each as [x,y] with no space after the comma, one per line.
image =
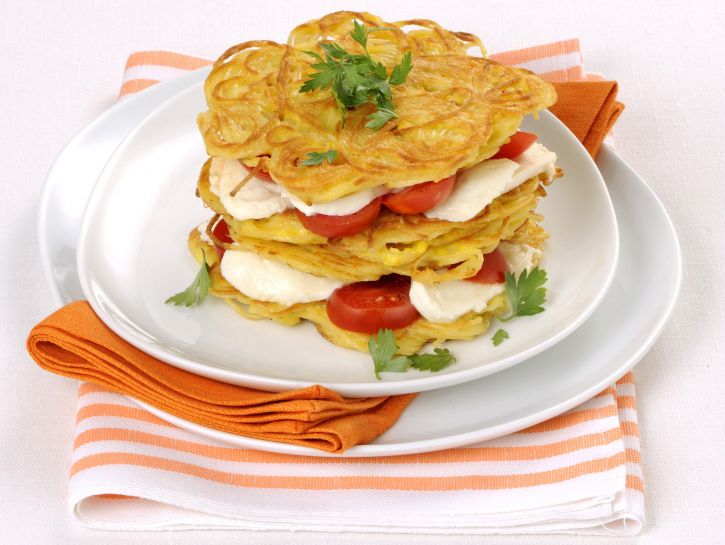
[410,339]
[454,109]
[428,250]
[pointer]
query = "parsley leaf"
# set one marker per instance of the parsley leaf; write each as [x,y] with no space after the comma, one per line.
[500,336]
[317,157]
[380,117]
[526,294]
[197,291]
[400,71]
[336,51]
[382,349]
[360,35]
[355,80]
[432,362]
[383,346]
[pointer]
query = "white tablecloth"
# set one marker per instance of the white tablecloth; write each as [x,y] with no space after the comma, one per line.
[62,64]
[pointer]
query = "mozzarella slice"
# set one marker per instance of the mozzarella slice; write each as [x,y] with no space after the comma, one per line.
[255,200]
[447,301]
[478,186]
[349,204]
[268,280]
[202,232]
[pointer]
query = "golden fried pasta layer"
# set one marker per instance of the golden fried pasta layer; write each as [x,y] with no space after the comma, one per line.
[454,109]
[410,339]
[428,250]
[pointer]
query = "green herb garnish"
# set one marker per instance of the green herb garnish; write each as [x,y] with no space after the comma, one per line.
[357,79]
[526,294]
[500,336]
[382,348]
[197,291]
[317,157]
[432,362]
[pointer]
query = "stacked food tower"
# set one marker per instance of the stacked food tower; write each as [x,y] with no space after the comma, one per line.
[370,175]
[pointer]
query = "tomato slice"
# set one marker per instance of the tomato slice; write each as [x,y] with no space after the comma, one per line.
[420,197]
[341,226]
[366,307]
[261,174]
[221,232]
[493,269]
[519,143]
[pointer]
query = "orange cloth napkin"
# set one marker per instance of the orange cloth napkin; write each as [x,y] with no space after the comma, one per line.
[73,342]
[589,109]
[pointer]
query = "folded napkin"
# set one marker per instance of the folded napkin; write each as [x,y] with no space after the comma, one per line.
[576,473]
[589,109]
[586,103]
[75,343]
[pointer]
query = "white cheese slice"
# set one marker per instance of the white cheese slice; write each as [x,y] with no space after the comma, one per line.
[447,301]
[268,280]
[349,204]
[478,186]
[202,232]
[255,200]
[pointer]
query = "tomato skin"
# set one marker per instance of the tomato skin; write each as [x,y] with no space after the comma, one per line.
[518,144]
[261,174]
[493,269]
[366,307]
[264,176]
[341,226]
[221,232]
[420,197]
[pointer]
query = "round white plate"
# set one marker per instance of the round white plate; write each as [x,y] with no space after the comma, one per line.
[132,255]
[609,344]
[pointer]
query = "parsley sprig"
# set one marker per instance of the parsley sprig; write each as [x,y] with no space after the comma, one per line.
[197,290]
[317,157]
[357,79]
[382,348]
[526,294]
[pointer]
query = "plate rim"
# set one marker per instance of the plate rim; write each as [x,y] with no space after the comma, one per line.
[62,297]
[52,179]
[351,389]
[475,436]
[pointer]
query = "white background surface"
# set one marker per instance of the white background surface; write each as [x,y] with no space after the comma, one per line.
[62,64]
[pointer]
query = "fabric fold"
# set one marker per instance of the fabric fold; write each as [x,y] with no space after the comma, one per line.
[75,343]
[589,109]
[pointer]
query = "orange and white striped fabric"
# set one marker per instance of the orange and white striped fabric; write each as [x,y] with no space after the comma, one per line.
[577,473]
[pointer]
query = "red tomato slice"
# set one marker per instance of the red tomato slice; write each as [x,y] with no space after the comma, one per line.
[264,176]
[366,307]
[420,197]
[341,226]
[493,269]
[221,232]
[519,143]
[261,174]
